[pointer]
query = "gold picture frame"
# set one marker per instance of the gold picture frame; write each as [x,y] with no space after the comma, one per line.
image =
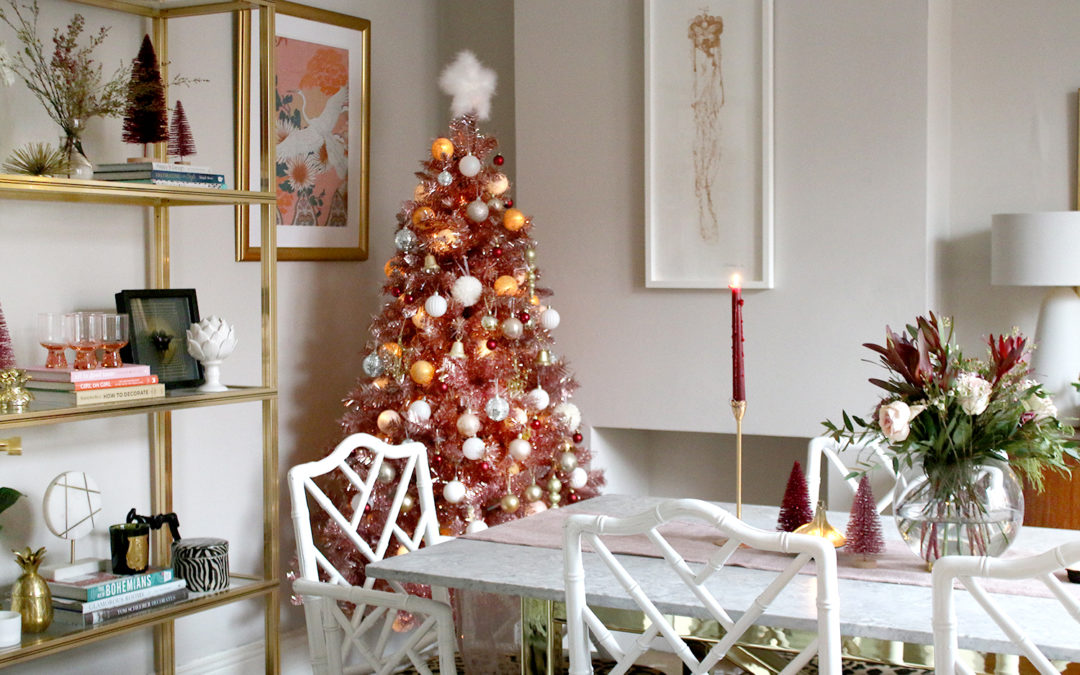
[322,182]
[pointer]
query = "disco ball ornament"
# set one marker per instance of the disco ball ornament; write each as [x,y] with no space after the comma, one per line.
[435,306]
[445,178]
[488,322]
[473,448]
[454,491]
[405,239]
[519,449]
[497,408]
[568,461]
[550,319]
[578,478]
[388,421]
[469,165]
[510,503]
[533,493]
[468,424]
[419,411]
[467,290]
[512,328]
[373,365]
[477,211]
[538,399]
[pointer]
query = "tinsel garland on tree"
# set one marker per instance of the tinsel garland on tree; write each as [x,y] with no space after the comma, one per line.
[461,355]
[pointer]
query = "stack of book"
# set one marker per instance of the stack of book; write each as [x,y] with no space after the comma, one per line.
[98,596]
[100,385]
[160,173]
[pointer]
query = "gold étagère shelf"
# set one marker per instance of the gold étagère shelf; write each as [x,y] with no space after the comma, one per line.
[265,585]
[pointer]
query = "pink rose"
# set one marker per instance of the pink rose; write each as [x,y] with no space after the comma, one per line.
[895,420]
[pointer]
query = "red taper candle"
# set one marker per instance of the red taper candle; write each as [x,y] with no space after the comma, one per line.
[738,375]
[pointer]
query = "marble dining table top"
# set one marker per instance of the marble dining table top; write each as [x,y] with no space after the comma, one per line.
[873,609]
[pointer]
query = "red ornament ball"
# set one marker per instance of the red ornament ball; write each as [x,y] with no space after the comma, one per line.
[367,507]
[492,344]
[444,387]
[508,203]
[498,159]
[497,251]
[577,437]
[408,298]
[573,498]
[524,316]
[485,467]
[535,423]
[395,291]
[436,461]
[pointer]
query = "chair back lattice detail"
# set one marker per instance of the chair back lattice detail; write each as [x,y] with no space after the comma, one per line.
[870,455]
[582,621]
[333,635]
[968,570]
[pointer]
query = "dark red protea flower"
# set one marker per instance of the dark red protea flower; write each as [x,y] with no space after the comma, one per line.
[1005,354]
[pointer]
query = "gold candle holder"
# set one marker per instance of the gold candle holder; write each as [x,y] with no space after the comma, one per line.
[738,409]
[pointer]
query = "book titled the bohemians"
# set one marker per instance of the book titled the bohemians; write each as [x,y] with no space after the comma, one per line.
[105,584]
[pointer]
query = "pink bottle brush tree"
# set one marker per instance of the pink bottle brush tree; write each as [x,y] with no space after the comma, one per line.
[864,537]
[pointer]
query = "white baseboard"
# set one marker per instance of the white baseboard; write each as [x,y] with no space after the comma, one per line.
[250,658]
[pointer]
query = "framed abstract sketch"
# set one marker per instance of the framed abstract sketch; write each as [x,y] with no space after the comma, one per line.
[160,319]
[322,122]
[709,143]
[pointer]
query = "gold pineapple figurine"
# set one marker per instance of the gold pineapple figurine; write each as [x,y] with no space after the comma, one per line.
[30,596]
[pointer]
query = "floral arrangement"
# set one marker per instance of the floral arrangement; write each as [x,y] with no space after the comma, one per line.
[68,82]
[947,413]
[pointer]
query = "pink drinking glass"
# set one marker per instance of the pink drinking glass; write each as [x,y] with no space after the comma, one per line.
[114,335]
[85,338]
[52,332]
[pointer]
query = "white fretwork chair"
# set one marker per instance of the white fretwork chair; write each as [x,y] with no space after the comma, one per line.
[336,639]
[842,460]
[968,569]
[699,578]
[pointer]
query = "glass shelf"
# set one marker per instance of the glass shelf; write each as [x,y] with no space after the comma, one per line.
[54,412]
[113,192]
[152,8]
[59,637]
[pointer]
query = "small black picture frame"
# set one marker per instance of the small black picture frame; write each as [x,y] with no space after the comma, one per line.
[159,321]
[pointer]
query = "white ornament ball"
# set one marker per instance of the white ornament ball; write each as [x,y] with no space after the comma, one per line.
[550,319]
[445,178]
[519,448]
[497,408]
[469,165]
[578,478]
[388,420]
[569,415]
[477,211]
[435,306]
[533,508]
[468,424]
[467,290]
[476,526]
[419,411]
[512,328]
[538,399]
[473,448]
[454,491]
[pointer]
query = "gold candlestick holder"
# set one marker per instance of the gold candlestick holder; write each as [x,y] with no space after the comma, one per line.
[738,409]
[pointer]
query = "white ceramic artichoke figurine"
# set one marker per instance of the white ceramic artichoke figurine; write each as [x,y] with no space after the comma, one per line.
[210,341]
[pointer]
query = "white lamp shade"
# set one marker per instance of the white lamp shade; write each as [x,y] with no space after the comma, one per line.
[1035,249]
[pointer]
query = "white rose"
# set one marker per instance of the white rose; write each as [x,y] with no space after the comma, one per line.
[973,393]
[1043,406]
[895,419]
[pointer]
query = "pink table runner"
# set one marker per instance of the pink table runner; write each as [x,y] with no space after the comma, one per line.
[696,542]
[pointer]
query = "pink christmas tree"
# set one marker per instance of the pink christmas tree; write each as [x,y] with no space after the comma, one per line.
[864,526]
[7,355]
[795,510]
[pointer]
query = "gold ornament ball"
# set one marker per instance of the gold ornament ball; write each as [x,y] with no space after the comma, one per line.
[387,474]
[568,461]
[443,240]
[422,215]
[422,373]
[407,503]
[554,484]
[418,318]
[566,445]
[554,498]
[510,503]
[530,255]
[442,149]
[513,220]
[506,285]
[533,492]
[388,421]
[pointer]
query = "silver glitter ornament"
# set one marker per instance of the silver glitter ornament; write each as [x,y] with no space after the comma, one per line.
[373,365]
[497,408]
[405,239]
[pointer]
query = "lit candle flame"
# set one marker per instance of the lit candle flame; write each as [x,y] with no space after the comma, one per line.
[736,280]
